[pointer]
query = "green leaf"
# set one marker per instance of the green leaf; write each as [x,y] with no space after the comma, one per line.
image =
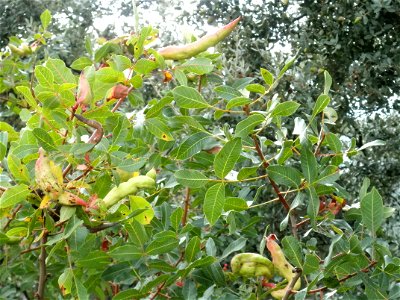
[159,129]
[180,77]
[12,134]
[144,66]
[202,262]
[45,18]
[292,249]
[165,242]
[191,178]
[192,145]
[26,92]
[328,82]
[311,264]
[285,175]
[137,233]
[199,66]
[246,126]
[313,205]
[128,295]
[94,260]
[156,109]
[126,252]
[176,218]
[65,281]
[372,210]
[18,170]
[14,195]
[234,246]
[235,203]
[329,175]
[333,142]
[44,139]
[121,62]
[267,76]
[80,289]
[287,65]
[309,164]
[237,101]
[117,272]
[226,159]
[188,97]
[214,201]
[81,63]
[192,248]
[44,76]
[61,73]
[256,88]
[109,75]
[189,290]
[247,172]
[322,102]
[285,109]
[226,92]
[102,185]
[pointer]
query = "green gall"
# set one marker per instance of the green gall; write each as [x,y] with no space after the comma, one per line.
[201,45]
[252,265]
[129,187]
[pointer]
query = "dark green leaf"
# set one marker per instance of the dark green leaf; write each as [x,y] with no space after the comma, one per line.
[234,246]
[226,159]
[192,248]
[292,249]
[309,164]
[126,252]
[165,242]
[44,139]
[313,205]
[246,126]
[191,178]
[372,210]
[192,145]
[214,201]
[285,175]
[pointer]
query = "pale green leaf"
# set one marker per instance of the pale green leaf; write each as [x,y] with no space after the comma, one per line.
[285,109]
[14,195]
[320,104]
[235,203]
[199,66]
[188,97]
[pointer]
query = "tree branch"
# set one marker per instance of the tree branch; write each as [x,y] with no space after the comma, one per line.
[186,207]
[42,267]
[365,270]
[289,288]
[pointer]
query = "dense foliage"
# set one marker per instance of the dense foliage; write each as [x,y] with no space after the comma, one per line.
[109,194]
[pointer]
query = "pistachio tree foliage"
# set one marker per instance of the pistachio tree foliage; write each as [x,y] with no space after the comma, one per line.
[107,194]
